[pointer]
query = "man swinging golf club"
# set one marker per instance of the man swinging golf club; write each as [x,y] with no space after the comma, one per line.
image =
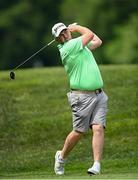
[87,99]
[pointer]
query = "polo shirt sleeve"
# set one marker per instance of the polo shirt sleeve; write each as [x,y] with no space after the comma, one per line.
[70,48]
[89,44]
[74,46]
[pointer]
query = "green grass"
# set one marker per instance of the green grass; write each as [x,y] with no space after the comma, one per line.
[35,118]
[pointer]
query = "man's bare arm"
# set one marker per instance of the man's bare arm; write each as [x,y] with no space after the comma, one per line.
[95,42]
[87,34]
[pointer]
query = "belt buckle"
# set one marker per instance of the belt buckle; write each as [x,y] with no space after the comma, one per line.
[98,91]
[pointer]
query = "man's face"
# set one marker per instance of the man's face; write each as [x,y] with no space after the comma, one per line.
[64,36]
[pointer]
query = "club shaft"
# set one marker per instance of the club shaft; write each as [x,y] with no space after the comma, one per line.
[34,54]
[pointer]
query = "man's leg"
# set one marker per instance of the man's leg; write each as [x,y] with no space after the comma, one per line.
[70,142]
[97,142]
[97,146]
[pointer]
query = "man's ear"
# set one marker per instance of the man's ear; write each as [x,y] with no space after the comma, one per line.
[58,40]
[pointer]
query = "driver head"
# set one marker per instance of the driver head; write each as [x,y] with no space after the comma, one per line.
[12,75]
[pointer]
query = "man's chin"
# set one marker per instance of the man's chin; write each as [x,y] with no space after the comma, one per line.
[68,39]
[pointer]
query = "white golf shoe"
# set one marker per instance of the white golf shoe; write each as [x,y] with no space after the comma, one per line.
[59,164]
[95,169]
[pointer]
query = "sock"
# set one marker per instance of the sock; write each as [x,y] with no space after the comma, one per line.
[96,163]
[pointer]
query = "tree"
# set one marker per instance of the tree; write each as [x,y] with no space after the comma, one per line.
[107,18]
[25,26]
[124,48]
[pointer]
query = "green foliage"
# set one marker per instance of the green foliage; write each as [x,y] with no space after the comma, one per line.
[35,118]
[124,48]
[25,26]
[83,12]
[113,21]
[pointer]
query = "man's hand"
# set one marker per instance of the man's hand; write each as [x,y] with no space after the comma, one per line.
[72,27]
[87,34]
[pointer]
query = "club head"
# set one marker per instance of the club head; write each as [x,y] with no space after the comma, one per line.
[12,75]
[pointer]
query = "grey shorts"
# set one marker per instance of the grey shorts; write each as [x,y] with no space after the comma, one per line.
[87,109]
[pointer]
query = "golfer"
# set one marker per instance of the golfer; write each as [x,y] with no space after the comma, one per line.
[86,97]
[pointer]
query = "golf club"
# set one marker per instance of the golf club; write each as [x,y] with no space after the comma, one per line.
[12,73]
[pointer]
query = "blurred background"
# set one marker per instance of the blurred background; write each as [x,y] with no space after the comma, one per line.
[25,27]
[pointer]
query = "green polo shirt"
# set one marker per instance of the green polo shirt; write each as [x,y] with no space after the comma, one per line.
[80,65]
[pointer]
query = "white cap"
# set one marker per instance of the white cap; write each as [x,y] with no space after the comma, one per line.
[57,28]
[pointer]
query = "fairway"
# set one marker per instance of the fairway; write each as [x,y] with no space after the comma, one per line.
[35,119]
[32,175]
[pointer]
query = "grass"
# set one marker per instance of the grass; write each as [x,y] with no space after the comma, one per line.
[35,119]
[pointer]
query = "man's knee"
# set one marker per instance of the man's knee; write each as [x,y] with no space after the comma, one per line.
[78,133]
[97,128]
